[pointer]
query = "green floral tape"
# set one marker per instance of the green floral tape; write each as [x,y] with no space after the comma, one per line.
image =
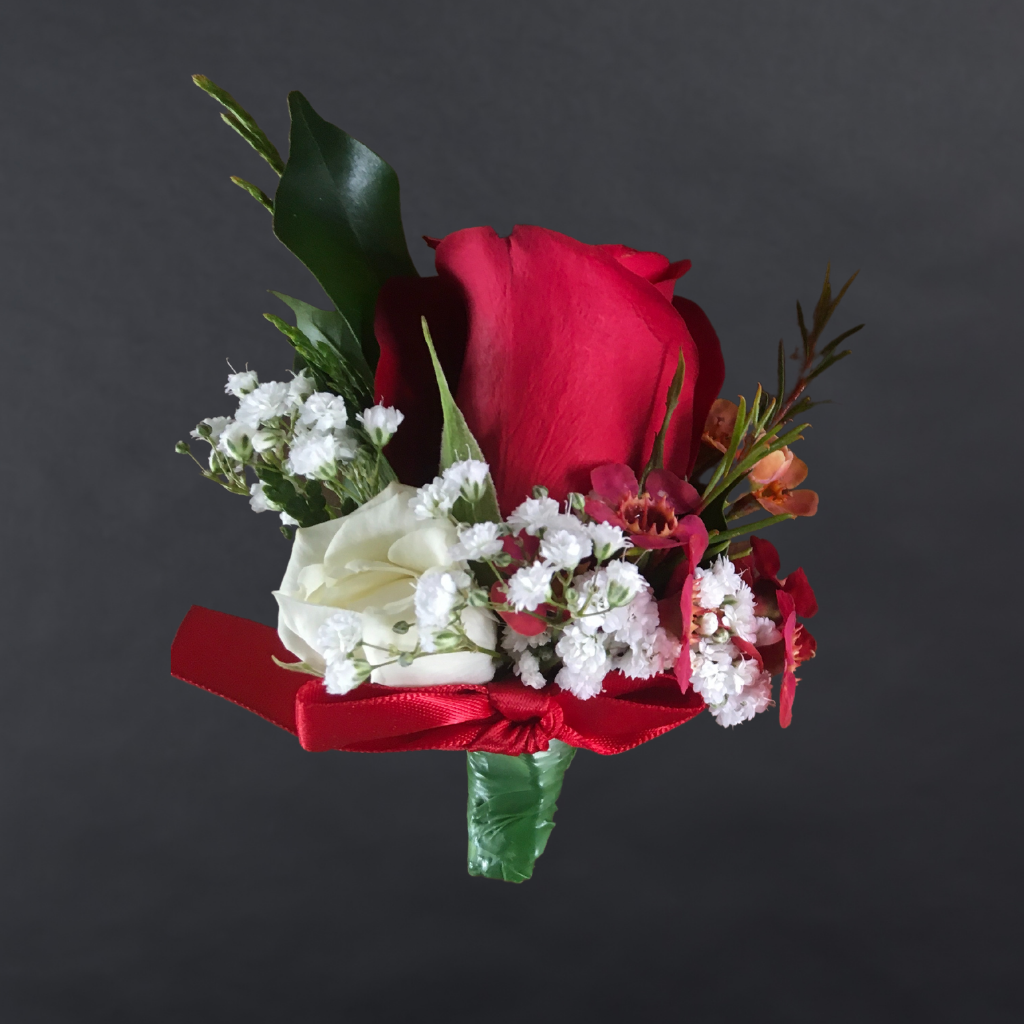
[511,809]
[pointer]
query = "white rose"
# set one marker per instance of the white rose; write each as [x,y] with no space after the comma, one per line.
[368,562]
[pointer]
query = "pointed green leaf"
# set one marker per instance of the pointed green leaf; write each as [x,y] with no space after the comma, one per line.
[337,209]
[458,443]
[657,458]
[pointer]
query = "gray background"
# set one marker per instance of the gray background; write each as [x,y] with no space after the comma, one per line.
[166,856]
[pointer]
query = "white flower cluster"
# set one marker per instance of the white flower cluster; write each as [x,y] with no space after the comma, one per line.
[610,621]
[336,641]
[302,432]
[733,686]
[466,479]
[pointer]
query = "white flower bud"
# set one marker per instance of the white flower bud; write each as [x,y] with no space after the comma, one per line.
[380,423]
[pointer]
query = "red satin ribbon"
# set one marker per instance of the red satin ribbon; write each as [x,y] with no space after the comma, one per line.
[231,657]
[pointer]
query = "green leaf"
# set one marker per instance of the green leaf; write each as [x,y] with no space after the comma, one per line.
[511,808]
[329,327]
[308,507]
[714,515]
[243,122]
[337,209]
[657,458]
[457,443]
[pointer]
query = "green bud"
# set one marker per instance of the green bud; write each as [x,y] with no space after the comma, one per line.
[182,448]
[406,659]
[447,641]
[540,492]
[479,598]
[363,669]
[720,636]
[502,558]
[576,500]
[203,430]
[618,595]
[402,626]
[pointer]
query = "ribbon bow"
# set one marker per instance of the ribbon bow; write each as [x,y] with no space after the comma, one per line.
[232,657]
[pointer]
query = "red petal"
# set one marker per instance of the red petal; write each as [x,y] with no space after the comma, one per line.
[614,482]
[766,558]
[787,692]
[710,376]
[694,531]
[651,266]
[569,358]
[806,646]
[682,669]
[747,648]
[682,496]
[602,513]
[804,601]
[522,622]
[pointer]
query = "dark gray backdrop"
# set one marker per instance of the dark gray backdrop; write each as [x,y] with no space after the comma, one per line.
[169,857]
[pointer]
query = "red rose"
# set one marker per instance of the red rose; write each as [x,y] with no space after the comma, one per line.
[559,354]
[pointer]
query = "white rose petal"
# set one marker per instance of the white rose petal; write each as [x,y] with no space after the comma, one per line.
[368,563]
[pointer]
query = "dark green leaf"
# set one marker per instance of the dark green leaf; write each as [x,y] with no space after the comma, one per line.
[458,443]
[802,325]
[511,808]
[714,515]
[337,208]
[309,507]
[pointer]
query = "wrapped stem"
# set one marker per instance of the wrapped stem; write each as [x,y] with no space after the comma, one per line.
[511,809]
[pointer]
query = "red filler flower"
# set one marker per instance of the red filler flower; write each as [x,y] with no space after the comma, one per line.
[658,517]
[782,601]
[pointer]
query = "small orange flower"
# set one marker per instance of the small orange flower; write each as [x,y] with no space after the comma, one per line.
[772,483]
[720,423]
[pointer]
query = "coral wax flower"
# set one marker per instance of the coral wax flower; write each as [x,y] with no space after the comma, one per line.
[659,516]
[559,354]
[720,424]
[772,483]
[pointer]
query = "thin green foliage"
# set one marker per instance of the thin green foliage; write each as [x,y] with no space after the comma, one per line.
[238,118]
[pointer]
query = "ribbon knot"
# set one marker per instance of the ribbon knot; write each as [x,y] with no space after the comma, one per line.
[517,703]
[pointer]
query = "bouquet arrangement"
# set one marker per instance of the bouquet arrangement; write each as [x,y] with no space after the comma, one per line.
[511,493]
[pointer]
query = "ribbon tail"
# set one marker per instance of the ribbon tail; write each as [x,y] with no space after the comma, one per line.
[232,657]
